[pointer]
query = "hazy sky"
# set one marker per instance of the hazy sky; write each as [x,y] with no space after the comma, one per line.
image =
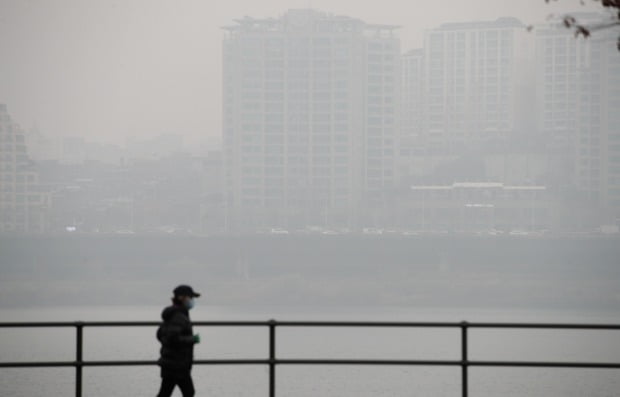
[136,68]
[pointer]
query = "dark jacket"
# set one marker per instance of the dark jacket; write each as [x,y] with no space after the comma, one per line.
[177,342]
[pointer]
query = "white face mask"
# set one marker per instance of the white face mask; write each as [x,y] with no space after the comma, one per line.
[190,304]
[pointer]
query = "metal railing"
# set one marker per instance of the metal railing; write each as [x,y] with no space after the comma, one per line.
[272,361]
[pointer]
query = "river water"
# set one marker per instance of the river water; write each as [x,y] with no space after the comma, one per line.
[313,381]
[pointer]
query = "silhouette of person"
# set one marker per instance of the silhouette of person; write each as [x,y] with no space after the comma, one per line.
[177,343]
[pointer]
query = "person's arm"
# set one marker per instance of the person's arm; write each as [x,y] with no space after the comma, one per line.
[171,333]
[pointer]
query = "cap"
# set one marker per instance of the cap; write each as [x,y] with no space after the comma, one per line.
[185,290]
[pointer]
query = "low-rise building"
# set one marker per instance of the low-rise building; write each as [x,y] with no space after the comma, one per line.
[478,206]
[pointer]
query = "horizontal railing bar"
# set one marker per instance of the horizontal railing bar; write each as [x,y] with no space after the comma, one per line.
[545,326]
[129,324]
[445,324]
[451,363]
[549,364]
[251,361]
[367,324]
[194,323]
[241,361]
[41,364]
[196,362]
[316,324]
[121,323]
[235,324]
[367,362]
[38,324]
[127,363]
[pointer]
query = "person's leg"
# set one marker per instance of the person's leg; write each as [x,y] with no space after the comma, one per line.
[167,386]
[187,386]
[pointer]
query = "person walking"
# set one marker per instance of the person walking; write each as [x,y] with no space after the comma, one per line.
[177,343]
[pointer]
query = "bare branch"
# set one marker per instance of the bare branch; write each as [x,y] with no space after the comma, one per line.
[586,31]
[580,30]
[603,26]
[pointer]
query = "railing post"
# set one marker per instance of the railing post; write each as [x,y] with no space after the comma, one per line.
[272,358]
[464,359]
[79,327]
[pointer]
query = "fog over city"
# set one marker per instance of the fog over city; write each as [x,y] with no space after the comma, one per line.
[338,128]
[342,124]
[310,159]
[67,63]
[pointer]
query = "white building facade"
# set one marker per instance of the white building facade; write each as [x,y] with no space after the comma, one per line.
[310,119]
[477,84]
[578,91]
[23,204]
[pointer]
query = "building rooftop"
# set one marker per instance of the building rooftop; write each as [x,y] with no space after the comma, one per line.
[305,19]
[503,22]
[478,185]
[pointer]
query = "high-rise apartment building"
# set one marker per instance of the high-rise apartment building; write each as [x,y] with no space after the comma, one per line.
[310,118]
[477,91]
[597,154]
[608,79]
[412,102]
[23,204]
[559,60]
[578,89]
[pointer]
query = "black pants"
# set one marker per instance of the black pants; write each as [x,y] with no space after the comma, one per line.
[184,382]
